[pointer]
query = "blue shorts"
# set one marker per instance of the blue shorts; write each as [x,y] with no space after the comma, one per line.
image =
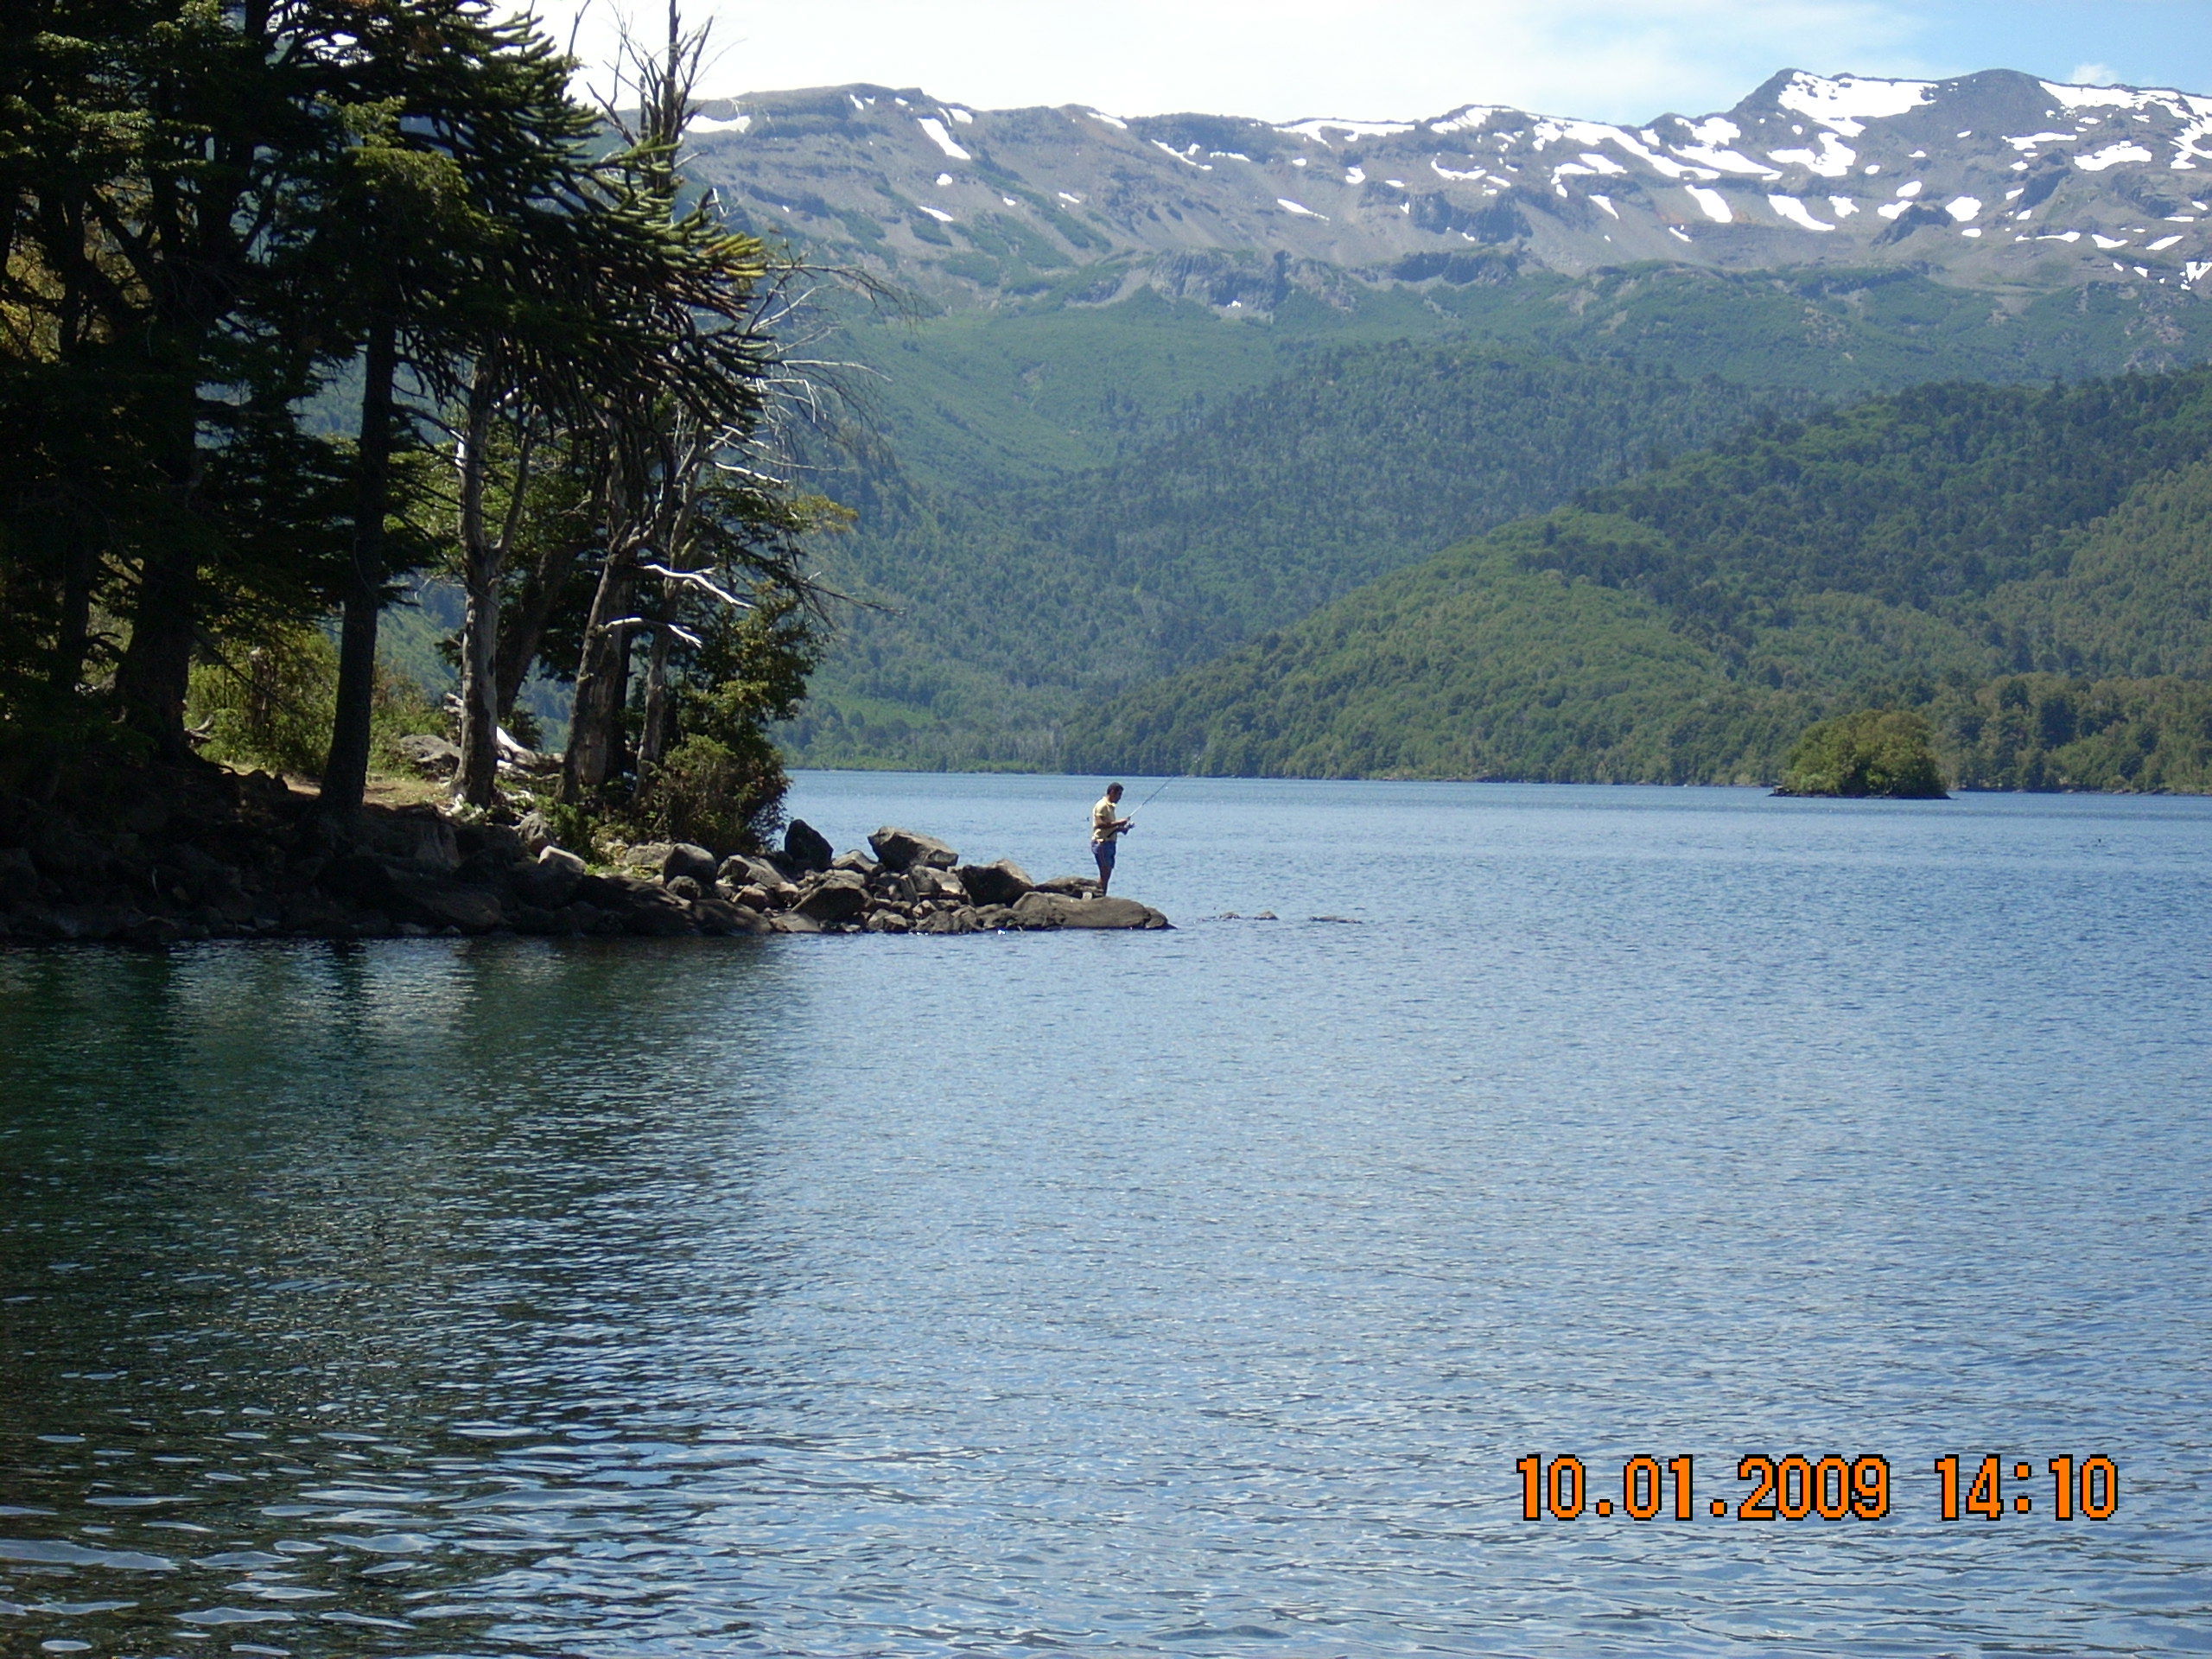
[1104,852]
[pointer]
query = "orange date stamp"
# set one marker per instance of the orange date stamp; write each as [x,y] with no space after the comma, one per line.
[1795,1487]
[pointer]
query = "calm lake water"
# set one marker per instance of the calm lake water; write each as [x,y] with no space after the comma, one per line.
[1188,1294]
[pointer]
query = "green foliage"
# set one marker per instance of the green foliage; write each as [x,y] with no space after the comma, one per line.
[1086,496]
[219,217]
[400,707]
[726,800]
[2047,732]
[1917,552]
[269,703]
[1006,614]
[1884,752]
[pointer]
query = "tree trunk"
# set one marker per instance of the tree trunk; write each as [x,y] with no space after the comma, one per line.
[478,774]
[345,773]
[73,636]
[520,634]
[652,741]
[156,667]
[602,685]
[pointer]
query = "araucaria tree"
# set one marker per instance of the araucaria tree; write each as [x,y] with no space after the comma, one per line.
[219,215]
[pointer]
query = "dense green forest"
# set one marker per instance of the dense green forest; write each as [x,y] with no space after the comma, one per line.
[1006,612]
[303,299]
[1060,503]
[2028,566]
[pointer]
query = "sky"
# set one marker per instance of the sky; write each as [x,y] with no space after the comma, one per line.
[1281,59]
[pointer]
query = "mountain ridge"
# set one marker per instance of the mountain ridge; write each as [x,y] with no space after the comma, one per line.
[1996,179]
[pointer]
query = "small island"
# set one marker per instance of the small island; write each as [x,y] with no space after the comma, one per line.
[1876,754]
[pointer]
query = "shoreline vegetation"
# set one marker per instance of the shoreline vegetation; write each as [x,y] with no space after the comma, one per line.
[303,304]
[163,855]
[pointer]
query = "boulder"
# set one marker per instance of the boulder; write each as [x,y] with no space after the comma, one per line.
[948,921]
[535,834]
[649,855]
[857,863]
[684,859]
[805,846]
[1072,886]
[791,921]
[889,921]
[1051,910]
[836,897]
[421,835]
[752,895]
[1001,882]
[685,888]
[439,901]
[990,918]
[721,919]
[430,755]
[551,881]
[901,849]
[932,883]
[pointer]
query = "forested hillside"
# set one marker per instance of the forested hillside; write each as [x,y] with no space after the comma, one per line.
[1006,611]
[2031,565]
[1060,503]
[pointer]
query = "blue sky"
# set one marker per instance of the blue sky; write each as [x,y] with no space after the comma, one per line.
[1614,59]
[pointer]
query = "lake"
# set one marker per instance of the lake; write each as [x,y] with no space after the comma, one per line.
[1181,1293]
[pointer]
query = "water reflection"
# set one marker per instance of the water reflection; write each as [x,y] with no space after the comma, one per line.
[1189,1293]
[332,1272]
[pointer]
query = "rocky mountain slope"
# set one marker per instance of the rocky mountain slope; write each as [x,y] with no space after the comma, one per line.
[1994,181]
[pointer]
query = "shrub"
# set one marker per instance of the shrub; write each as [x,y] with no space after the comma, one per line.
[724,798]
[271,705]
[1876,752]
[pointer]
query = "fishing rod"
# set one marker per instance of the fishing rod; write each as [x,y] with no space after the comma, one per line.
[1155,796]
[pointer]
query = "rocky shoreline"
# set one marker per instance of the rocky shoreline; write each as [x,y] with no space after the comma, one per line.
[222,855]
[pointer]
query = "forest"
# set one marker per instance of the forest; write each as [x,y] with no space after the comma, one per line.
[1143,483]
[1003,611]
[305,299]
[2026,566]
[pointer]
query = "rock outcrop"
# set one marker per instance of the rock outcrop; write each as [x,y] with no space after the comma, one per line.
[805,847]
[200,853]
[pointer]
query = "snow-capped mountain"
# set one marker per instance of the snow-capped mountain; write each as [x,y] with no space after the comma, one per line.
[1994,180]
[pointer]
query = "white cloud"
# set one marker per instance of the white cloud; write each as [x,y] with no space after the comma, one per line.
[2092,74]
[1281,59]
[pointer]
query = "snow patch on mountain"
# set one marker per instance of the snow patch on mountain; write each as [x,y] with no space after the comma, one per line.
[1847,104]
[934,130]
[2112,156]
[1714,203]
[1830,160]
[1796,212]
[1320,129]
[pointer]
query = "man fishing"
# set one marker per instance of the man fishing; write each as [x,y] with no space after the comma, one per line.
[1107,828]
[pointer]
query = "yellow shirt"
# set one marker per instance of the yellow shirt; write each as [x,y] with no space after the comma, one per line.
[1104,817]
